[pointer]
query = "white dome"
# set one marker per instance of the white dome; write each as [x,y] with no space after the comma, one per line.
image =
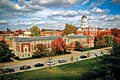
[84,23]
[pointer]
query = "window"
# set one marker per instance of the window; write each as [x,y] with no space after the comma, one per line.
[26,48]
[68,40]
[28,55]
[65,39]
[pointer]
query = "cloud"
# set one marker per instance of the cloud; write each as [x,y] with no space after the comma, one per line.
[9,5]
[21,6]
[23,23]
[63,14]
[110,18]
[35,19]
[55,3]
[99,11]
[3,21]
[98,3]
[83,12]
[53,25]
[85,2]
[116,1]
[70,13]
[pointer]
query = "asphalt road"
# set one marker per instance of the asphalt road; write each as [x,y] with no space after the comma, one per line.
[76,57]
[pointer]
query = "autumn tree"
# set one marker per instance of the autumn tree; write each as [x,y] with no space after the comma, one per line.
[41,47]
[115,32]
[71,46]
[69,29]
[41,51]
[104,40]
[35,31]
[58,46]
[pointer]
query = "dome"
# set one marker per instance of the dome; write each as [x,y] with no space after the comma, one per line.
[84,16]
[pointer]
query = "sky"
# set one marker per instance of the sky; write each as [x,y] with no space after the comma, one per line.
[54,14]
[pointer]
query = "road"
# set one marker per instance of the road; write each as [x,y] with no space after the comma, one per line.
[76,55]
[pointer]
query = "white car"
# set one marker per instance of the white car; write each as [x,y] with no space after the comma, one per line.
[50,63]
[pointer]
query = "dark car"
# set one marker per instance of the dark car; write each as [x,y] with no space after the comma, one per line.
[1,71]
[83,56]
[25,67]
[38,65]
[9,70]
[62,61]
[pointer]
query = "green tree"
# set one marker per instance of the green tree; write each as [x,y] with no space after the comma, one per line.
[71,58]
[5,52]
[109,65]
[77,45]
[35,31]
[69,29]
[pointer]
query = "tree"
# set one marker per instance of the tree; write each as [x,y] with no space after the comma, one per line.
[71,58]
[58,46]
[5,52]
[115,32]
[104,40]
[41,52]
[77,46]
[71,46]
[69,29]
[41,47]
[35,31]
[109,65]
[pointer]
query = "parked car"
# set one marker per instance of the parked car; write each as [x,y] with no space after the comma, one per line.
[9,70]
[62,61]
[1,71]
[38,65]
[50,63]
[83,56]
[25,67]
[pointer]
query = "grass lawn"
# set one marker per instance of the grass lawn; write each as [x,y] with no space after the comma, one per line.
[71,71]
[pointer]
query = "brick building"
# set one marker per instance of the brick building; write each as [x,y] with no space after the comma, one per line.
[24,46]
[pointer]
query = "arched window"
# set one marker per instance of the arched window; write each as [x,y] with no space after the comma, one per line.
[25,48]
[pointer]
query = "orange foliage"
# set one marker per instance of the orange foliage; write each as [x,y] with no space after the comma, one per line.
[58,45]
[71,46]
[41,47]
[115,32]
[106,32]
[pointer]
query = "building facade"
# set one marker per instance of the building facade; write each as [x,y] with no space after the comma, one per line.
[25,46]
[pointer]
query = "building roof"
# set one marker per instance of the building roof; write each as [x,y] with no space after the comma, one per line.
[79,36]
[29,39]
[84,16]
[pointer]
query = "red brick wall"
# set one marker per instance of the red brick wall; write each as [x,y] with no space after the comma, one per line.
[18,47]
[23,44]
